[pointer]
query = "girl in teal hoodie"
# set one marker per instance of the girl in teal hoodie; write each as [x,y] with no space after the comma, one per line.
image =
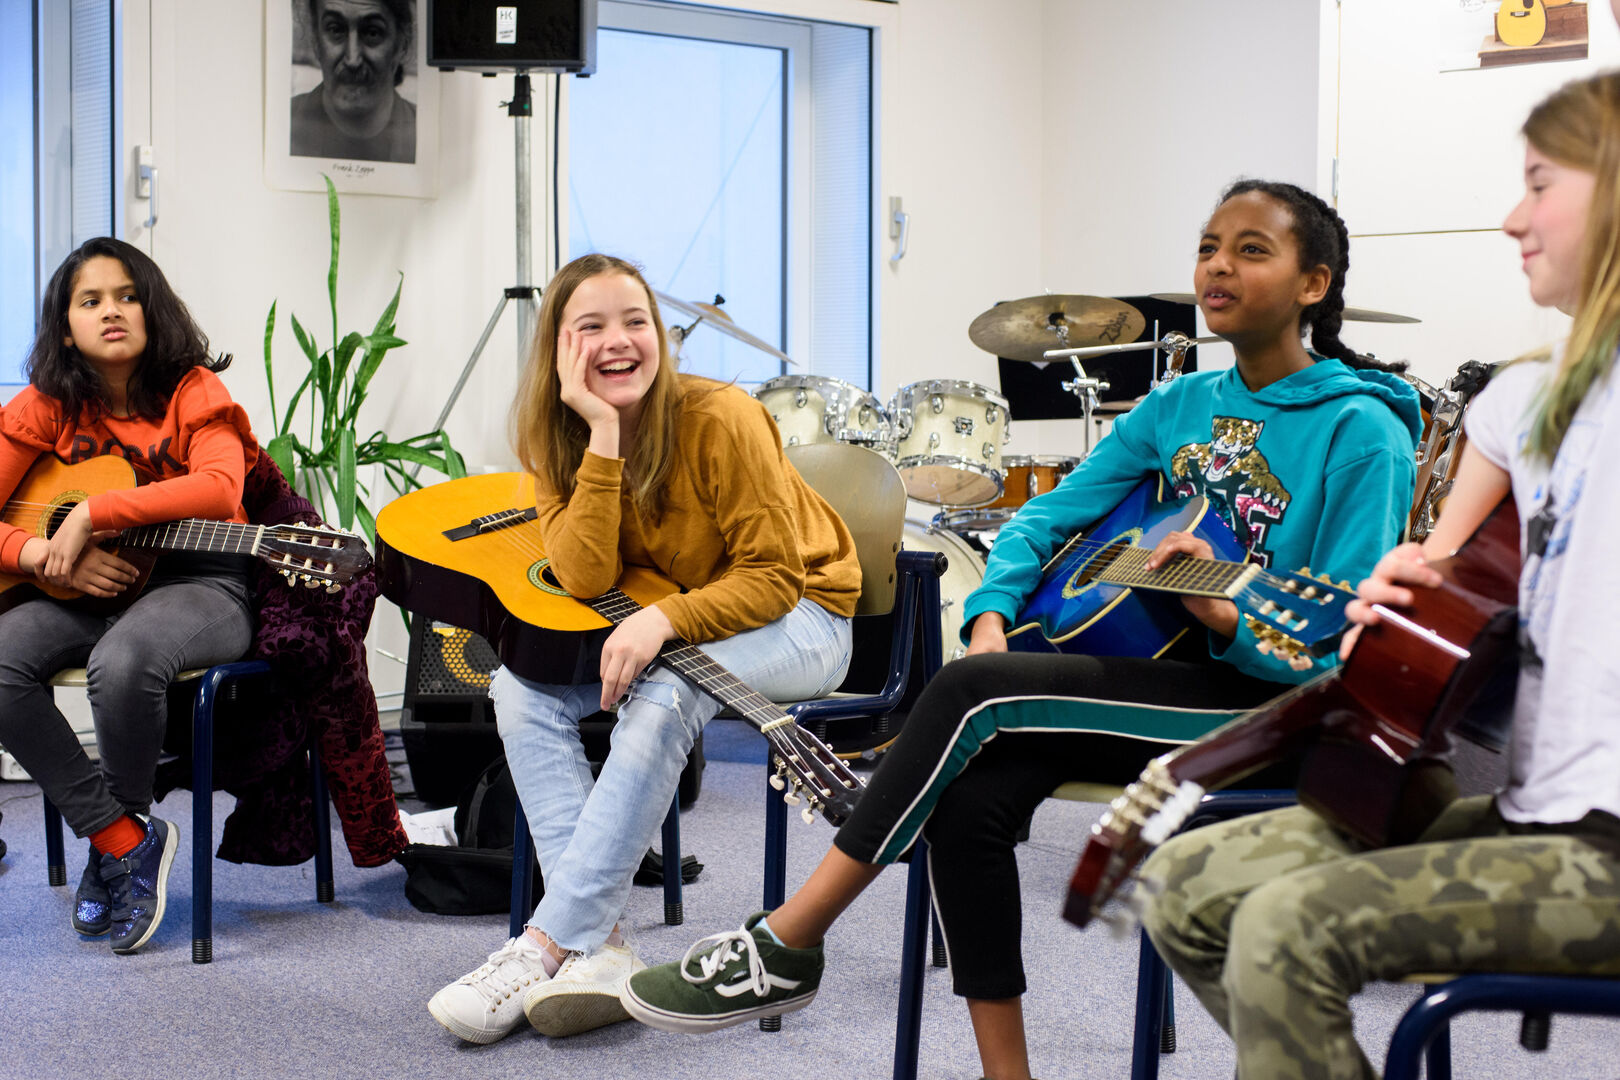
[1307,454]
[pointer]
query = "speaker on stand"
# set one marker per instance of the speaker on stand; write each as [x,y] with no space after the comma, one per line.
[447,721]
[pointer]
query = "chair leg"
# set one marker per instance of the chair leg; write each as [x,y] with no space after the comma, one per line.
[202,818]
[674,909]
[918,918]
[1167,1037]
[324,892]
[775,890]
[1151,978]
[522,876]
[940,956]
[55,859]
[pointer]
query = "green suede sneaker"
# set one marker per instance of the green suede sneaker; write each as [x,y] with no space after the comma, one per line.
[725,979]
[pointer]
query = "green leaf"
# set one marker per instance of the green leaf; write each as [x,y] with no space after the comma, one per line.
[454,467]
[332,270]
[269,368]
[369,524]
[306,340]
[292,406]
[336,409]
[283,450]
[345,494]
[385,321]
[396,451]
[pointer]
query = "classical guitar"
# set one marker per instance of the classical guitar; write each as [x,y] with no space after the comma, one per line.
[487,572]
[1521,23]
[1371,729]
[1097,598]
[50,489]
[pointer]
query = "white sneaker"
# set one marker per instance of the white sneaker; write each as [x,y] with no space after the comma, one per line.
[486,1004]
[584,994]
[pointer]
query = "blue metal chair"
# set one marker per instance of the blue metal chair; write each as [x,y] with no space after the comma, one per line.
[1155,1018]
[221,682]
[1423,1034]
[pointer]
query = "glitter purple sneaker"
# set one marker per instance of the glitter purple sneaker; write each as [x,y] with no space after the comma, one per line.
[92,904]
[139,885]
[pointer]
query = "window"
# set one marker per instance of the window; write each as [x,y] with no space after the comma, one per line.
[730,155]
[56,152]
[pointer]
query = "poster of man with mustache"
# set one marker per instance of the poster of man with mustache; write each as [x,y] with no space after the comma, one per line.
[365,50]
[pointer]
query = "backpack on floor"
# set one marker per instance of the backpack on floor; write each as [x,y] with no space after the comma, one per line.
[474,877]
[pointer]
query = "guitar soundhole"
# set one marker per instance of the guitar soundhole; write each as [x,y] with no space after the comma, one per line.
[1095,566]
[541,577]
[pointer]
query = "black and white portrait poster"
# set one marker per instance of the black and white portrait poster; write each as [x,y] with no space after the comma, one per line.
[348,93]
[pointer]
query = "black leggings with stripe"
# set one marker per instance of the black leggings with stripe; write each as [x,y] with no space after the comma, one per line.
[989,739]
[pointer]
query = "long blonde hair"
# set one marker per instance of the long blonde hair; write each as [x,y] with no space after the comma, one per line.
[1579,127]
[550,438]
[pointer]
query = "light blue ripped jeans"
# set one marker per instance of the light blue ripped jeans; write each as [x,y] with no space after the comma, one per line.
[591,837]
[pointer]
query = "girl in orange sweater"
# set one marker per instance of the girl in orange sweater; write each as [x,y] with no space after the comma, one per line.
[118,368]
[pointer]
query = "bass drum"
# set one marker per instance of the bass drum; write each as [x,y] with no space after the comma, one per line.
[963,573]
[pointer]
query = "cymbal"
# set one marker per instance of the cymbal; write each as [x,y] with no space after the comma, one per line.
[1351,314]
[1024,329]
[711,315]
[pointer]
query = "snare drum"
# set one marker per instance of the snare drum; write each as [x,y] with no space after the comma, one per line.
[812,409]
[977,519]
[948,441]
[1026,477]
[964,571]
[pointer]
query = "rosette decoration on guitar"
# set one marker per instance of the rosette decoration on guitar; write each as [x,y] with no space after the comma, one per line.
[467,552]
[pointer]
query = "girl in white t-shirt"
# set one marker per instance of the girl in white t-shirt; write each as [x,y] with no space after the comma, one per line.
[1275,921]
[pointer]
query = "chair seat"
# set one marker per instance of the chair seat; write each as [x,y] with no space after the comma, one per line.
[1085,791]
[78,676]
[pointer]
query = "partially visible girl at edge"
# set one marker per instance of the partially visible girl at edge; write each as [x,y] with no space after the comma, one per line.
[636,465]
[1276,920]
[118,367]
[1307,457]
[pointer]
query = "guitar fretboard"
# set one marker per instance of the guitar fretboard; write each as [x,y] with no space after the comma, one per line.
[695,664]
[195,534]
[1183,574]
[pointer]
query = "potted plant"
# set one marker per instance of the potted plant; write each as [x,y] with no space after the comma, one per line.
[321,457]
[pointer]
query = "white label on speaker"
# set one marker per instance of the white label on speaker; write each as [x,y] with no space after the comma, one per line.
[506,26]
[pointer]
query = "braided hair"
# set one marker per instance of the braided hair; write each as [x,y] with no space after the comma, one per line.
[1323,241]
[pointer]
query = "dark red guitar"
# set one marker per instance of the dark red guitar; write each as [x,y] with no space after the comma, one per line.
[1370,729]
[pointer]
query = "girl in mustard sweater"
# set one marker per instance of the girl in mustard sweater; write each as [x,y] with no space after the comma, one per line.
[636,465]
[117,368]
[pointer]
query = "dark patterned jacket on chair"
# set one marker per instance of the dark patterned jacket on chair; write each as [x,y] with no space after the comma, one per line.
[314,642]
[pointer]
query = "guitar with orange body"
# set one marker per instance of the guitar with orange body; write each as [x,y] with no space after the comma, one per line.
[50,489]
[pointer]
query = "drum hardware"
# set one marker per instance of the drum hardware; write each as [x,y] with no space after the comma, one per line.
[711,314]
[1175,343]
[1351,314]
[1024,329]
[1440,452]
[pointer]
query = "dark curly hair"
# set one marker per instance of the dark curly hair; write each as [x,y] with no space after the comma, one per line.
[1323,241]
[174,344]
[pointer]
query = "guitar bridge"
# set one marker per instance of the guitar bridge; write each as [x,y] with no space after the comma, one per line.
[501,519]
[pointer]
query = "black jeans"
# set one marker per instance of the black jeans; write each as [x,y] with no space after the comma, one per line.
[130,658]
[988,740]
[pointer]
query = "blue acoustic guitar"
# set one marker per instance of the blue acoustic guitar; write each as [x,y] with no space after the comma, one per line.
[1096,597]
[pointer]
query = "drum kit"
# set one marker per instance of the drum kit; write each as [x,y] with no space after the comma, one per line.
[945,436]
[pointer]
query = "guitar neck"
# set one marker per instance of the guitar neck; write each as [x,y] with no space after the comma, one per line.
[695,665]
[195,534]
[1183,574]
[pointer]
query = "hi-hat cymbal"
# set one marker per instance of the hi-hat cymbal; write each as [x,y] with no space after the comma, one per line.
[1351,314]
[712,315]
[1024,329]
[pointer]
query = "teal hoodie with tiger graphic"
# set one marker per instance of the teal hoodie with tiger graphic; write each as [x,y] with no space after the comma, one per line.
[1316,469]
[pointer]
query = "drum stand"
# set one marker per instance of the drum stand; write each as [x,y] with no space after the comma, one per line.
[1175,343]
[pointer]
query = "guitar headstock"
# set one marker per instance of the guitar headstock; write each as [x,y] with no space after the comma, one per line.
[314,554]
[1146,815]
[1295,616]
[808,771]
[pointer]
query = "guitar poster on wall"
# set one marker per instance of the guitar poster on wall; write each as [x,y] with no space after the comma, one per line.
[1498,33]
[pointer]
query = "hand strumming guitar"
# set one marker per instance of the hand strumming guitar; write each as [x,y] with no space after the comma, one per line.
[1404,566]
[630,648]
[73,558]
[989,634]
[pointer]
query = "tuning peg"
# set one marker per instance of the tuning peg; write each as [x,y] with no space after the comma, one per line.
[310,583]
[1305,571]
[777,782]
[1346,586]
[334,587]
[809,816]
[791,798]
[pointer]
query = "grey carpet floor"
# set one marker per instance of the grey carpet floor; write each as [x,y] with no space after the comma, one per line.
[301,989]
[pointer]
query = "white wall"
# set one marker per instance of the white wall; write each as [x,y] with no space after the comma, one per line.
[1150,110]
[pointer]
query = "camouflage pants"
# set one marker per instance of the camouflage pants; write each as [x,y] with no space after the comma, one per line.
[1275,920]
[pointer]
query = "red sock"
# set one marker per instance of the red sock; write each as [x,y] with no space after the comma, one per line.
[120,838]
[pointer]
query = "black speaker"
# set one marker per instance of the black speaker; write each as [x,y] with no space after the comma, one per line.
[447,721]
[512,35]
